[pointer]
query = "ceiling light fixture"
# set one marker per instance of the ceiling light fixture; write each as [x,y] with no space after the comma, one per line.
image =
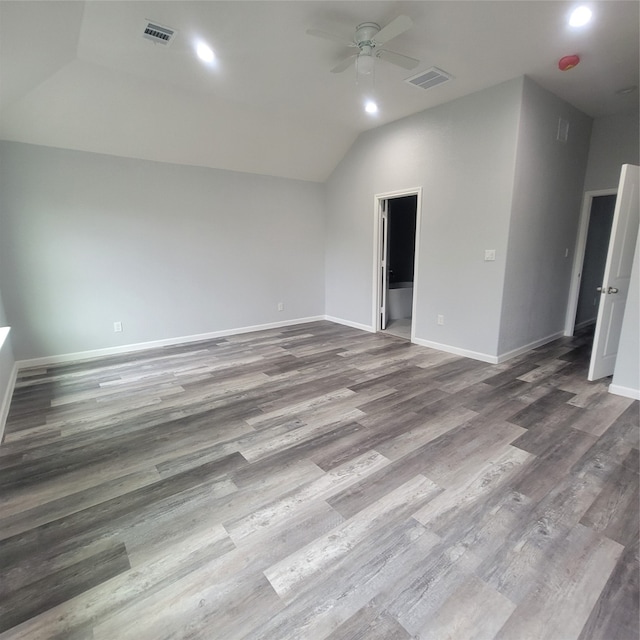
[204,52]
[371,107]
[365,64]
[580,16]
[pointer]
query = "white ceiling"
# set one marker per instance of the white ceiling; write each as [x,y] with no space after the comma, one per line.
[80,75]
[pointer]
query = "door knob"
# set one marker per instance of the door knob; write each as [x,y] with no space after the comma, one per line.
[612,290]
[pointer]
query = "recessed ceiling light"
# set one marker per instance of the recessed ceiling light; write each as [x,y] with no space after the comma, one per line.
[580,16]
[205,53]
[371,107]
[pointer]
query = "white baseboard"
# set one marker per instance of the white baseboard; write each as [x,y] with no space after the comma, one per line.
[154,344]
[475,355]
[627,392]
[6,401]
[527,347]
[584,323]
[348,323]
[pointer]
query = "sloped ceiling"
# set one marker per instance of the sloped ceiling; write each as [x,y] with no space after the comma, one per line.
[80,75]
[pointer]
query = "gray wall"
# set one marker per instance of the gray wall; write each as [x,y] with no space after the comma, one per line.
[544,219]
[615,141]
[168,250]
[463,155]
[6,368]
[3,315]
[627,370]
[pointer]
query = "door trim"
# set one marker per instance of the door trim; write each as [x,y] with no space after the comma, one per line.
[377,249]
[578,256]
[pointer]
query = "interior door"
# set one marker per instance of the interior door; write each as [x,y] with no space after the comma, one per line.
[617,274]
[384,263]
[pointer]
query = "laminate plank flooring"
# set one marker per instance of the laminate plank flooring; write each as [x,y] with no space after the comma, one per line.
[316,482]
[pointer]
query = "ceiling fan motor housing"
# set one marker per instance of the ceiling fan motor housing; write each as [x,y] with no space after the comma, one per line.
[365,34]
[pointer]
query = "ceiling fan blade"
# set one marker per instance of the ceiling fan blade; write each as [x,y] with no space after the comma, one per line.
[344,65]
[330,36]
[398,59]
[394,28]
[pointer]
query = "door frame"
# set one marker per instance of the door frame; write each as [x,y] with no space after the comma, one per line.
[578,256]
[377,253]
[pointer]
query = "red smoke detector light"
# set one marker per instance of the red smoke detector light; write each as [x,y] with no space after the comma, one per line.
[568,62]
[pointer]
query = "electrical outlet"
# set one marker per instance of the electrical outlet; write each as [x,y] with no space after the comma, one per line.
[117,326]
[489,255]
[280,306]
[440,319]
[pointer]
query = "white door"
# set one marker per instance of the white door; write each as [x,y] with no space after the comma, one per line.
[384,263]
[617,274]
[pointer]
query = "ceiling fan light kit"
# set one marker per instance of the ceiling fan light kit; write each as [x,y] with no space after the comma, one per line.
[365,64]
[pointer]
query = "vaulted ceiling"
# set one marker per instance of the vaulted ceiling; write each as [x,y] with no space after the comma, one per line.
[80,75]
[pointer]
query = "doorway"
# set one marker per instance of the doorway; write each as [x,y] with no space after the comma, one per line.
[595,258]
[589,259]
[396,259]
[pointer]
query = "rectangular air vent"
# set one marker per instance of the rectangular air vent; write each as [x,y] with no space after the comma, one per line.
[157,33]
[429,78]
[562,134]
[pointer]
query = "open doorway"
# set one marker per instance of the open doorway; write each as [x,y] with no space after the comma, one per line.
[398,225]
[612,285]
[595,258]
[589,259]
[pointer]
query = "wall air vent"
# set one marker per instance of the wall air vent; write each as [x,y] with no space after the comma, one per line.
[157,33]
[562,134]
[429,78]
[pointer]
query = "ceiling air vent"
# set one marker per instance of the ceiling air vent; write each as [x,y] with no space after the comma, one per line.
[157,33]
[429,78]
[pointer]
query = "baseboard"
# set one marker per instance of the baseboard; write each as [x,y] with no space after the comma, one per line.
[349,323]
[6,401]
[475,355]
[503,357]
[154,344]
[584,323]
[627,392]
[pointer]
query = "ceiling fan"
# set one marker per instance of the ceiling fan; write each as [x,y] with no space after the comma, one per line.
[368,38]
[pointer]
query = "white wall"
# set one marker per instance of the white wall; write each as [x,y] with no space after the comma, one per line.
[168,250]
[463,155]
[614,142]
[626,377]
[544,219]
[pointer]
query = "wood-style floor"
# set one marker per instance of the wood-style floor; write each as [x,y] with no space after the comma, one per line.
[319,482]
